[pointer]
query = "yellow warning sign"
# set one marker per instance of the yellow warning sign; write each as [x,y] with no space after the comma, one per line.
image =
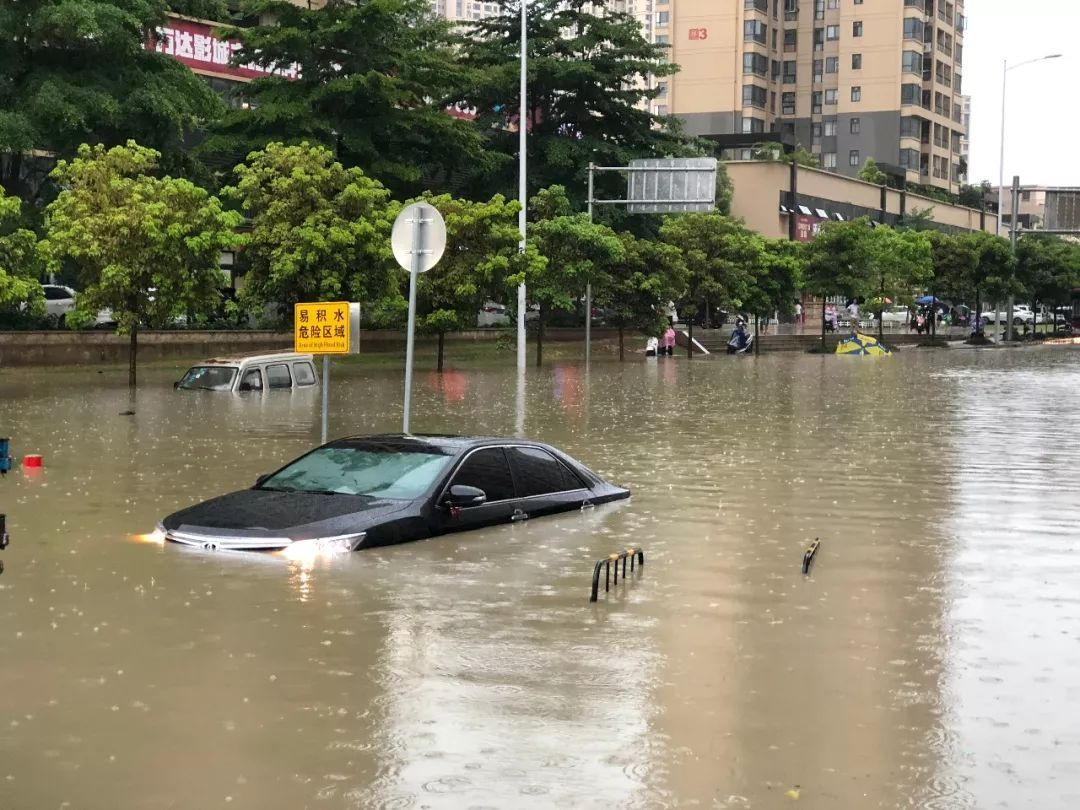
[321,328]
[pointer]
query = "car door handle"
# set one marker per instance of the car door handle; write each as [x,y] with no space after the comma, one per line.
[518,515]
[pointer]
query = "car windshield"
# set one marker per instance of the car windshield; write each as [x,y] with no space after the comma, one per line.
[210,378]
[375,470]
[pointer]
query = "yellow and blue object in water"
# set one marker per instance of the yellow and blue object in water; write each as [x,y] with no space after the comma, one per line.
[862,344]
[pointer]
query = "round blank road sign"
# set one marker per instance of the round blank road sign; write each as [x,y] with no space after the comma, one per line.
[432,236]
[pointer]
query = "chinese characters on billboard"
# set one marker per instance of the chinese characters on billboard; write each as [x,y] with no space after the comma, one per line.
[806,228]
[196,45]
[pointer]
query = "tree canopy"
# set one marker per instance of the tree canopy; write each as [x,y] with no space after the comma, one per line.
[78,71]
[146,247]
[18,282]
[375,80]
[318,231]
[591,74]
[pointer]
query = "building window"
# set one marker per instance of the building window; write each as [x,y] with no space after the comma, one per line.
[661,89]
[858,2]
[834,3]
[819,39]
[913,28]
[662,18]
[856,61]
[856,28]
[787,104]
[830,128]
[756,63]
[775,68]
[753,96]
[828,160]
[830,96]
[755,31]
[911,62]
[789,72]
[819,9]
[855,126]
[791,39]
[832,64]
[853,157]
[910,127]
[856,93]
[791,10]
[753,125]
[909,158]
[815,103]
[910,94]
[832,32]
[815,131]
[818,71]
[661,109]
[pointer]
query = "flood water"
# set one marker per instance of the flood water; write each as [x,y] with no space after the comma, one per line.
[928,661]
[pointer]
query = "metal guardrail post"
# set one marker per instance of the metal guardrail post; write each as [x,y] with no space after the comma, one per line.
[635,555]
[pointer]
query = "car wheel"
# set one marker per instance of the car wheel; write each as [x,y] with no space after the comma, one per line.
[61,322]
[1018,321]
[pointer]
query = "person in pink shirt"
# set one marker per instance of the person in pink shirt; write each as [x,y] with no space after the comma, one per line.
[667,344]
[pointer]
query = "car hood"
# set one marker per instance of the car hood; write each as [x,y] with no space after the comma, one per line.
[293,514]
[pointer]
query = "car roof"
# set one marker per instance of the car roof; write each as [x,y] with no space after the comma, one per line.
[249,357]
[443,441]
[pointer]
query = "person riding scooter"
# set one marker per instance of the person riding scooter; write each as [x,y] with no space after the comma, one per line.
[740,338]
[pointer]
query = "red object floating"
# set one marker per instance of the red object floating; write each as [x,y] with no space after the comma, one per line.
[32,461]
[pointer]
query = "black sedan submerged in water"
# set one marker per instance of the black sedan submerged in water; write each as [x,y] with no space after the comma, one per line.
[377,490]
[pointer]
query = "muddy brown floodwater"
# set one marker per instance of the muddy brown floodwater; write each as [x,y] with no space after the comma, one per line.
[930,659]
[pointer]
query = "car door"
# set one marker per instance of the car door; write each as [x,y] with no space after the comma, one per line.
[543,483]
[486,469]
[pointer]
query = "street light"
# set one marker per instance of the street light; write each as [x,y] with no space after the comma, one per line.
[1001,165]
[522,118]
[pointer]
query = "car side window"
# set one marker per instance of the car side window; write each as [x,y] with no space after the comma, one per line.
[488,470]
[252,380]
[56,294]
[277,376]
[304,373]
[537,472]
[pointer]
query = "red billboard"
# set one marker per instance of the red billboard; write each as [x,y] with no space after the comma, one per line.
[197,46]
[806,228]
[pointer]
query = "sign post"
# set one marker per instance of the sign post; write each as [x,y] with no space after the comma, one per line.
[326,329]
[418,240]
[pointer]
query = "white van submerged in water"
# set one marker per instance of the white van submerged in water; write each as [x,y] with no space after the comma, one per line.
[251,372]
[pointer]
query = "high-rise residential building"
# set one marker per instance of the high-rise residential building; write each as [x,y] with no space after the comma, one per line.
[848,79]
[965,128]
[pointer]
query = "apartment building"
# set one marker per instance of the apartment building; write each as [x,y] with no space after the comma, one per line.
[848,79]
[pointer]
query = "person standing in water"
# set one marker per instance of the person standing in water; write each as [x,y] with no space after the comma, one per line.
[668,343]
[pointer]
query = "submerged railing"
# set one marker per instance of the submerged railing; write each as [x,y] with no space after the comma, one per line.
[632,554]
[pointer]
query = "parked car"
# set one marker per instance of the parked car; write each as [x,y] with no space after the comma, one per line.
[60,301]
[896,315]
[1021,314]
[370,491]
[258,371]
[493,314]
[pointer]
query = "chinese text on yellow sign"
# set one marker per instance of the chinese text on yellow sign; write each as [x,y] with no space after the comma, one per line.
[321,328]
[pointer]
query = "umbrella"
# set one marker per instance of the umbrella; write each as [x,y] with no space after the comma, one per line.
[927,300]
[862,344]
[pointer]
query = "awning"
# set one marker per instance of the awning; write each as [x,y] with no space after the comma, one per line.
[839,217]
[784,209]
[804,209]
[822,213]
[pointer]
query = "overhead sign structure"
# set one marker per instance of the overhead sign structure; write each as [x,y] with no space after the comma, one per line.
[671,185]
[418,241]
[322,328]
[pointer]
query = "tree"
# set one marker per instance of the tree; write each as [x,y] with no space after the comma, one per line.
[1048,268]
[721,256]
[18,264]
[778,277]
[373,85]
[578,252]
[146,247]
[870,173]
[771,150]
[591,74]
[318,231]
[918,219]
[77,71]
[840,262]
[481,261]
[903,263]
[640,284]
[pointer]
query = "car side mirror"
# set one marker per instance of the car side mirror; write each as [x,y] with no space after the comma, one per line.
[261,479]
[464,496]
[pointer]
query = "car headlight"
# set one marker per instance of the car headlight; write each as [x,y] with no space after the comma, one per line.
[318,546]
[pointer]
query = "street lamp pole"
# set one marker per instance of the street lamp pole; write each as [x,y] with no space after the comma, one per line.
[1001,164]
[522,193]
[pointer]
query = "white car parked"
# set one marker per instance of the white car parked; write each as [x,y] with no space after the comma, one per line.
[1021,314]
[60,301]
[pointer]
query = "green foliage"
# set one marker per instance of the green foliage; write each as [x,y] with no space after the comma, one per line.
[318,231]
[778,278]
[375,81]
[640,284]
[481,262]
[973,196]
[589,83]
[722,257]
[18,260]
[994,265]
[77,71]
[578,252]
[934,193]
[1047,267]
[917,219]
[771,150]
[870,173]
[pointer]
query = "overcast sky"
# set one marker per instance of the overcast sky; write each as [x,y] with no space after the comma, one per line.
[1042,120]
